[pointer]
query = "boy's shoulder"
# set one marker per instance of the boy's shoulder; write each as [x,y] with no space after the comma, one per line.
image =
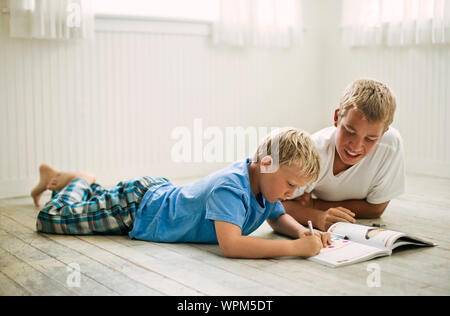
[233,176]
[324,137]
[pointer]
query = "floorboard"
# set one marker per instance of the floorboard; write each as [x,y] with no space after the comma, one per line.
[43,264]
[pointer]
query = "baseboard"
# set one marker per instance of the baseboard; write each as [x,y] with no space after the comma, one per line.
[16,188]
[428,167]
[178,174]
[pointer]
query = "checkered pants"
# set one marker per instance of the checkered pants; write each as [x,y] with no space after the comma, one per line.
[80,209]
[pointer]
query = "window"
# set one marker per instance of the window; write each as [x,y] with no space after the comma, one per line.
[203,10]
[396,22]
[377,12]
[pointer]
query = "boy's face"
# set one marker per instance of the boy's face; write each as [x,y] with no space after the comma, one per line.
[280,185]
[355,136]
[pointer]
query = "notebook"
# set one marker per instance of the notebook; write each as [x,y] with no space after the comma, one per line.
[363,243]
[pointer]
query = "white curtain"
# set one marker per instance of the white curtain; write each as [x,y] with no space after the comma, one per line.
[395,22]
[51,19]
[267,23]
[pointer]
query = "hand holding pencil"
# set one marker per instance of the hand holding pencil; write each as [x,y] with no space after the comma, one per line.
[324,237]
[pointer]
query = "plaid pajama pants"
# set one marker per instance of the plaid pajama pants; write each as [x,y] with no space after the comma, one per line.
[80,209]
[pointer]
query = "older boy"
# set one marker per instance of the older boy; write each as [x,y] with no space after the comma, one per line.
[362,164]
[224,207]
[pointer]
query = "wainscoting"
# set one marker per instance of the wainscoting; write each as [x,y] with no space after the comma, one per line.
[420,78]
[109,106]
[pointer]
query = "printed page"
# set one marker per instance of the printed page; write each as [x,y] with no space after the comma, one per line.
[371,236]
[413,240]
[343,252]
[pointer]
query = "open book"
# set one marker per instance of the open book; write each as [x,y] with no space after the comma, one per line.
[362,243]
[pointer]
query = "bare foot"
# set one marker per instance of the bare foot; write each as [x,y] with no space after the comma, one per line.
[46,173]
[61,179]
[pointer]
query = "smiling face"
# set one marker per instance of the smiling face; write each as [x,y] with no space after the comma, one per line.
[355,137]
[280,185]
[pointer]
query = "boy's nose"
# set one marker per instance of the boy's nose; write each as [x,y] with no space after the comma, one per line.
[356,145]
[289,194]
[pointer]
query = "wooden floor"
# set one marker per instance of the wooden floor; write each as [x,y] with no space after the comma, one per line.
[38,264]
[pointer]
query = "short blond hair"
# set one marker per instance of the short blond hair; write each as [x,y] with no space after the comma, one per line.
[295,148]
[372,98]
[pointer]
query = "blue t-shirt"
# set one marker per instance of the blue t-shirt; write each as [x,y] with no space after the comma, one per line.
[187,213]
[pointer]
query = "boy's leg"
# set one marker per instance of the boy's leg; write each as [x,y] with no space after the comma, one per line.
[83,209]
[51,179]
[95,189]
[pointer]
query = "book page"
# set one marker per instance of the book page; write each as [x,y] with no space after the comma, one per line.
[342,252]
[371,236]
[412,240]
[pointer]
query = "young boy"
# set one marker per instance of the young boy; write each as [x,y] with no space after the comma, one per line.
[224,207]
[362,165]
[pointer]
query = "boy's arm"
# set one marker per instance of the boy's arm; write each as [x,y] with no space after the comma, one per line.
[323,213]
[234,245]
[288,226]
[361,208]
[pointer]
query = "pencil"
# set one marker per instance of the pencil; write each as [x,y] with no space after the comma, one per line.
[311,229]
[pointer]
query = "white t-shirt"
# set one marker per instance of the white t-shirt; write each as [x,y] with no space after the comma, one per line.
[378,177]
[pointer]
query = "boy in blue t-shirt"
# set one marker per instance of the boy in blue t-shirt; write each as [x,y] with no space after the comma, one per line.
[224,207]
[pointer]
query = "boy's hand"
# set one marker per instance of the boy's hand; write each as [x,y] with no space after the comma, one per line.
[324,237]
[334,215]
[308,246]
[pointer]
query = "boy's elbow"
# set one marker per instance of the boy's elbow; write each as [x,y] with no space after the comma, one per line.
[229,252]
[372,215]
[376,211]
[379,210]
[229,249]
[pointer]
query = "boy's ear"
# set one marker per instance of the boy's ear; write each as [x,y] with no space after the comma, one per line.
[268,165]
[266,161]
[336,117]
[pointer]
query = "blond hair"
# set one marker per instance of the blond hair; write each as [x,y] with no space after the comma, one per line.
[372,98]
[295,148]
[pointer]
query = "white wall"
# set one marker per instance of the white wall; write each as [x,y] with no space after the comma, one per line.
[419,77]
[109,106]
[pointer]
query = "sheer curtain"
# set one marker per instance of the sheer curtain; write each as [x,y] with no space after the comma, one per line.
[396,22]
[51,19]
[268,23]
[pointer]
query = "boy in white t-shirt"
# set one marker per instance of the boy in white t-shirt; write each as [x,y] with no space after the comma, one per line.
[362,163]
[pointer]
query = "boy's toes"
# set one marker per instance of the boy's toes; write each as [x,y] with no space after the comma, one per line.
[36,199]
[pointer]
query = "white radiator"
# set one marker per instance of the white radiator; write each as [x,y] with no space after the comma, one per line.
[109,106]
